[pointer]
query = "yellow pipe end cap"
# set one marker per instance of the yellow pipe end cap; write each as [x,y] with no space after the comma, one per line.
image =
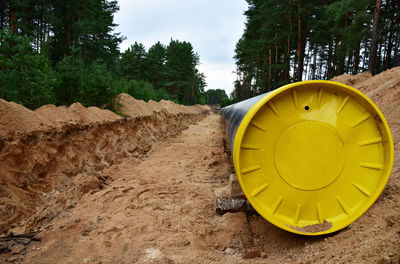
[312,157]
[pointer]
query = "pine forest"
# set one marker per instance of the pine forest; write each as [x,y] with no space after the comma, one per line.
[60,52]
[295,40]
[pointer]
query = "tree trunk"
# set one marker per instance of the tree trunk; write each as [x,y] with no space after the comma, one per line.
[48,27]
[307,60]
[12,20]
[356,58]
[43,33]
[249,93]
[260,61]
[314,66]
[320,67]
[300,51]
[379,57]
[192,99]
[270,71]
[287,64]
[264,79]
[388,56]
[287,55]
[329,70]
[363,61]
[68,34]
[338,65]
[372,66]
[2,15]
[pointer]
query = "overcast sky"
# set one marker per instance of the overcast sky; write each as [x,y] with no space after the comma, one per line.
[213,28]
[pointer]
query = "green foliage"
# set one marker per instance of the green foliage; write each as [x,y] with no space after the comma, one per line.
[216,97]
[133,62]
[171,69]
[89,84]
[142,90]
[61,52]
[226,101]
[86,25]
[180,73]
[155,65]
[25,76]
[96,87]
[70,74]
[162,94]
[286,41]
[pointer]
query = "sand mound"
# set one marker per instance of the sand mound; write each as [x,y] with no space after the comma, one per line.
[134,108]
[383,89]
[76,114]
[97,115]
[352,80]
[16,119]
[156,106]
[44,151]
[58,116]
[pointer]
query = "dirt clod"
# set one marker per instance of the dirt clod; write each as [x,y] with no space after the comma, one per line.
[314,228]
[252,254]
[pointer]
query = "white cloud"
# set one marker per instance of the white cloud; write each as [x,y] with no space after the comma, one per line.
[213,28]
[219,75]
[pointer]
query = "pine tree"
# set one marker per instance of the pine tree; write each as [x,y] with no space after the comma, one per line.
[155,61]
[181,62]
[60,52]
[293,40]
[133,62]
[372,66]
[85,26]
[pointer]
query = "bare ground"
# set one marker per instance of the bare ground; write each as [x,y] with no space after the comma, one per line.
[161,210]
[156,203]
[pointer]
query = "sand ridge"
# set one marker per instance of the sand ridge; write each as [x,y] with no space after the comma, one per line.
[17,121]
[61,149]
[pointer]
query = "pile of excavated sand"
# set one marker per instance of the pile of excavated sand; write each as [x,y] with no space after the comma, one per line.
[352,80]
[18,120]
[45,150]
[76,114]
[133,107]
[383,89]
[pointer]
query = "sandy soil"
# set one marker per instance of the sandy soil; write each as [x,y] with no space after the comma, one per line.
[157,205]
[53,155]
[159,209]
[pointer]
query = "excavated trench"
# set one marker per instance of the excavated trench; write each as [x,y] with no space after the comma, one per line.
[86,181]
[58,165]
